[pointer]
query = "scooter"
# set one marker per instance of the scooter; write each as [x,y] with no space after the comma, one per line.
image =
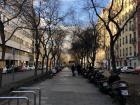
[104,86]
[98,77]
[119,91]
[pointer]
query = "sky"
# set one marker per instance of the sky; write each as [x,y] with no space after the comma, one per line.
[78,5]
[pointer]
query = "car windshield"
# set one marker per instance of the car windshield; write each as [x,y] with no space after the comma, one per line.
[130,67]
[30,65]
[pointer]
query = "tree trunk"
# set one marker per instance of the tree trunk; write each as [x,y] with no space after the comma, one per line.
[93,59]
[84,62]
[2,60]
[47,63]
[43,60]
[37,51]
[87,55]
[3,51]
[3,47]
[36,64]
[113,61]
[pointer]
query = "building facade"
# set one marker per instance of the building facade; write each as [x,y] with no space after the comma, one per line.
[127,46]
[19,49]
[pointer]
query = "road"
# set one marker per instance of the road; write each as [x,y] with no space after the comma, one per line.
[129,77]
[8,78]
[64,89]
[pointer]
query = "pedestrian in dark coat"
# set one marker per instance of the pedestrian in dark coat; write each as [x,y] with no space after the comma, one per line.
[73,70]
[79,69]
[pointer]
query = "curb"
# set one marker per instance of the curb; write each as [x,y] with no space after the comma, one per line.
[24,82]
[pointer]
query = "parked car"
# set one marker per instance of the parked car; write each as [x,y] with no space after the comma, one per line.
[44,67]
[137,70]
[17,68]
[54,71]
[30,67]
[39,67]
[118,68]
[4,71]
[127,69]
[8,69]
[23,68]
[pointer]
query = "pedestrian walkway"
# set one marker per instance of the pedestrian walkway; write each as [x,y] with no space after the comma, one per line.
[64,89]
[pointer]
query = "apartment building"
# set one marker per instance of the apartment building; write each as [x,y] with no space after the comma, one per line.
[20,47]
[127,47]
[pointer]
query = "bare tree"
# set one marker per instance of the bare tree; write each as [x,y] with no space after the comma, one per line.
[31,17]
[16,8]
[112,16]
[51,18]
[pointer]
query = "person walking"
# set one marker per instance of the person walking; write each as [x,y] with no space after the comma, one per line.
[73,70]
[79,69]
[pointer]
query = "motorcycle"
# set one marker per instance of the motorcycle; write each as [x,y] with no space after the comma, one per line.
[92,75]
[98,78]
[119,91]
[104,86]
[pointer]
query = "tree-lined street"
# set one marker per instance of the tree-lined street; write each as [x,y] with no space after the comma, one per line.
[99,39]
[64,89]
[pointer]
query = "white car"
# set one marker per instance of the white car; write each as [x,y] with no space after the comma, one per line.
[30,67]
[4,71]
[127,69]
[54,71]
[44,67]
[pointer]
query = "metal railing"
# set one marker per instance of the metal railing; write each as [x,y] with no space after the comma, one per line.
[29,90]
[35,89]
[32,92]
[14,97]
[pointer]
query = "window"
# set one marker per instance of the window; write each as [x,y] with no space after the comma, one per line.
[120,42]
[134,35]
[130,26]
[126,51]
[130,38]
[126,40]
[123,41]
[135,53]
[130,52]
[123,51]
[130,63]
[120,53]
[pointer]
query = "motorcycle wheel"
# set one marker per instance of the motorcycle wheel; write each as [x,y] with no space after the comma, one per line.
[122,100]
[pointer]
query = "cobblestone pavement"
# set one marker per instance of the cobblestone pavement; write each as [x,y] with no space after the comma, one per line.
[64,89]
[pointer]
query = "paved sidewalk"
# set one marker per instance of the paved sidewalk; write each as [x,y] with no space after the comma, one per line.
[64,89]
